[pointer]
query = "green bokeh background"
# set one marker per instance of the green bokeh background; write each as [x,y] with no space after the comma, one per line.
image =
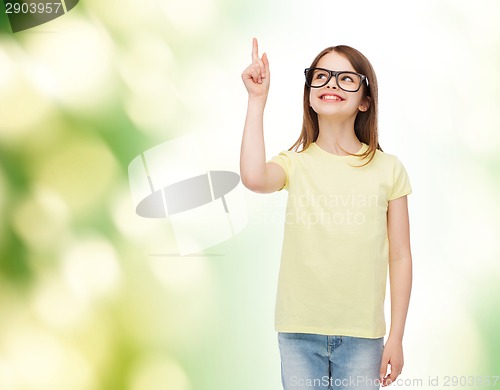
[84,304]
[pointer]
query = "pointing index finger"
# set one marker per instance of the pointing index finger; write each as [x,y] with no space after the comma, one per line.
[255,50]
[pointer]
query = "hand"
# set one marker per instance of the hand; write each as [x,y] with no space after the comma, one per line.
[392,355]
[257,76]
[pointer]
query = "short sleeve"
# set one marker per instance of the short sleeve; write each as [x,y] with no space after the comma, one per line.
[401,182]
[283,159]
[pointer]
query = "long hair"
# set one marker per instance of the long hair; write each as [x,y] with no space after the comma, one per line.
[365,124]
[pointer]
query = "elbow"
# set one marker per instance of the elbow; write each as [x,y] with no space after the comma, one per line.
[252,184]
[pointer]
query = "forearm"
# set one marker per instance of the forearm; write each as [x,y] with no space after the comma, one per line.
[253,154]
[400,274]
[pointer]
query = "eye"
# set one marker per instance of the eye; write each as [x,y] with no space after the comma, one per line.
[321,75]
[347,78]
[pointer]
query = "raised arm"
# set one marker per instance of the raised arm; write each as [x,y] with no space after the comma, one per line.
[256,174]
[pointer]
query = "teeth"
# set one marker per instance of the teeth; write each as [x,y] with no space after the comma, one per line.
[330,97]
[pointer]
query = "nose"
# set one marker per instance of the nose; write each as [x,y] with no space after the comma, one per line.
[332,82]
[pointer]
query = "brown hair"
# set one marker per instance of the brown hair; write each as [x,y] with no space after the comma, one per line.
[365,124]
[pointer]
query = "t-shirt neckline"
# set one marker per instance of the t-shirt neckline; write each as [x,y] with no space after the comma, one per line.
[333,155]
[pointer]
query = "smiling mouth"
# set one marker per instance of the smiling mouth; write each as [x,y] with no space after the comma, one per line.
[334,98]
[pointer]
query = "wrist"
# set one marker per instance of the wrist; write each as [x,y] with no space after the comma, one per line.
[257,100]
[398,336]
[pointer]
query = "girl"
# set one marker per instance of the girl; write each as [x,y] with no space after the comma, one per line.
[346,222]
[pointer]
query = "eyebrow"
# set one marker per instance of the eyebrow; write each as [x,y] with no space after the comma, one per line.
[333,70]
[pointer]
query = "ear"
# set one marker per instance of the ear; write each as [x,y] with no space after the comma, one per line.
[365,104]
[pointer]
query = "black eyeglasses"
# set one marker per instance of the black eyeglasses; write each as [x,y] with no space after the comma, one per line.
[348,81]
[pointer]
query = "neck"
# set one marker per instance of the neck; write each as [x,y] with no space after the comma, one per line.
[336,134]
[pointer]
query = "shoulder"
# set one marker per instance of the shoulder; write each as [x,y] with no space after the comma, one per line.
[396,175]
[387,159]
[290,155]
[297,153]
[285,159]
[284,155]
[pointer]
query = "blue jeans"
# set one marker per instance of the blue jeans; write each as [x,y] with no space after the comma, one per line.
[314,361]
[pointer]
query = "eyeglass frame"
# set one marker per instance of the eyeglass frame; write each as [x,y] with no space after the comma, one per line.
[336,74]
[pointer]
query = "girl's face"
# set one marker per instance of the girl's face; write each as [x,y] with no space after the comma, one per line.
[330,100]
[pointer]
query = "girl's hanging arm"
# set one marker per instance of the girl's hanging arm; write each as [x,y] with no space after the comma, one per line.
[256,174]
[400,275]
